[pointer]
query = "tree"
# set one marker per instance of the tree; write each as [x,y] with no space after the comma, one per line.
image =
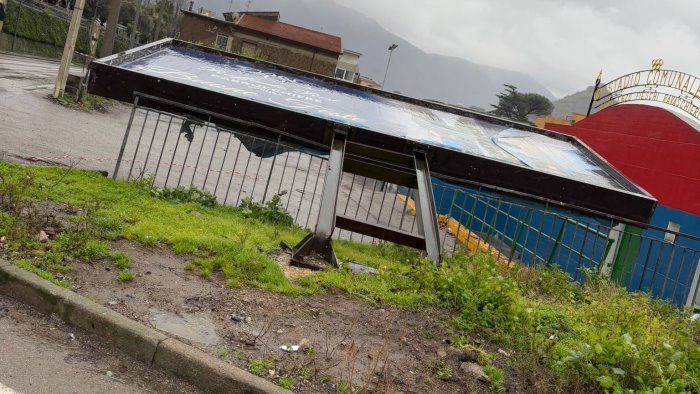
[518,106]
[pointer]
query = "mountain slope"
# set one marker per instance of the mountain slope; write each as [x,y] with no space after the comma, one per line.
[577,102]
[413,72]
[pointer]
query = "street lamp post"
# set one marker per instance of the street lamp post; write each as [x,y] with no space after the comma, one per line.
[391,50]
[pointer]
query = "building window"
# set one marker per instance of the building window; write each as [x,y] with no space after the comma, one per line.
[248,48]
[344,74]
[221,41]
[671,237]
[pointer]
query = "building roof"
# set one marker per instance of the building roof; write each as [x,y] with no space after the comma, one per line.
[351,52]
[211,18]
[369,82]
[292,33]
[269,15]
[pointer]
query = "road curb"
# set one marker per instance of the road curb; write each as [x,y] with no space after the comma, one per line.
[215,375]
[154,348]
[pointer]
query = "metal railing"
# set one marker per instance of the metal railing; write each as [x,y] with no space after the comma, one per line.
[232,165]
[638,259]
[176,151]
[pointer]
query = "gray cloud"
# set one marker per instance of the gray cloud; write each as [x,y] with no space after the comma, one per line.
[562,43]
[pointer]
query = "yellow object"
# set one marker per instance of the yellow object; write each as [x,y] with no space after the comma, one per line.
[410,204]
[467,238]
[575,117]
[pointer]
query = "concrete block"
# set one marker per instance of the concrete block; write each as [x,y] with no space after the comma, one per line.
[208,373]
[28,288]
[118,331]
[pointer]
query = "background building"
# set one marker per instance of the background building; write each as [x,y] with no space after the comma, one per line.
[348,68]
[263,36]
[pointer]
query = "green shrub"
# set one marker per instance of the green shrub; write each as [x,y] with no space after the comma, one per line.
[496,376]
[125,276]
[80,245]
[270,212]
[483,292]
[181,195]
[623,341]
[287,383]
[260,366]
[442,371]
[121,260]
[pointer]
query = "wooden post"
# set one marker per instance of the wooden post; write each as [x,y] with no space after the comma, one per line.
[68,49]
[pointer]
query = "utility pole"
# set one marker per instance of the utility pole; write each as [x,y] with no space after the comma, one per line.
[68,49]
[111,30]
[135,26]
[173,25]
[159,16]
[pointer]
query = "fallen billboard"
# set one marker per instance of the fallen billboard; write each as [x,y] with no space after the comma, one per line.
[383,129]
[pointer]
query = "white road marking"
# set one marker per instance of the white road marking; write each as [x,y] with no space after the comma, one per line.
[6,390]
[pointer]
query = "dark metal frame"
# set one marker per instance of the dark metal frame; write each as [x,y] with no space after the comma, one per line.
[320,242]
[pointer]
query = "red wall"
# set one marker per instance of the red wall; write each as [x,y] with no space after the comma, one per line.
[651,146]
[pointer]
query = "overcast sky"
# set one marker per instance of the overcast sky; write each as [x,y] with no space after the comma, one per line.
[562,43]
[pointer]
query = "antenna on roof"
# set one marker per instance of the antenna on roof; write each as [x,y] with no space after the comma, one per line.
[247,5]
[230,5]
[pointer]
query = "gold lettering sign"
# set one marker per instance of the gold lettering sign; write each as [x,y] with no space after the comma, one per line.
[674,88]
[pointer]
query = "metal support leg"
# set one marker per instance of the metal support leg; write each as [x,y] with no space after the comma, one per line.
[320,242]
[425,208]
[126,137]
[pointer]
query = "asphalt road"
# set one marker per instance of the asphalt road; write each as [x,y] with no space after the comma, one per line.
[32,126]
[40,354]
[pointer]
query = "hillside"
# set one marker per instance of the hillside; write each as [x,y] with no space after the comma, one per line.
[576,102]
[413,72]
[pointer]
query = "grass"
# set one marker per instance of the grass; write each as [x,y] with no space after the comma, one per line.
[591,338]
[496,376]
[287,383]
[87,103]
[125,276]
[29,266]
[442,371]
[260,367]
[121,260]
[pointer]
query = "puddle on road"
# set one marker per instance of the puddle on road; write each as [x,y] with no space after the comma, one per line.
[194,328]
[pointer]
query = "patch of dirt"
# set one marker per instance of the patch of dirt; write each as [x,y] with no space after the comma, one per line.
[290,272]
[341,338]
